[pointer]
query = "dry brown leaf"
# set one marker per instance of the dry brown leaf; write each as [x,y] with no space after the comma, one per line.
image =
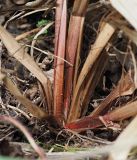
[92,80]
[17,51]
[125,86]
[90,84]
[123,25]
[77,63]
[72,49]
[60,46]
[88,122]
[126,111]
[26,34]
[101,41]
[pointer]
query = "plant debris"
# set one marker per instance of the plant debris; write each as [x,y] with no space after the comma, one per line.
[69,75]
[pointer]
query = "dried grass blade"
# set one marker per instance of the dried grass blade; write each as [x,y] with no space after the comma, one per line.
[37,35]
[77,63]
[32,108]
[125,86]
[101,41]
[91,82]
[125,142]
[84,124]
[73,40]
[126,111]
[17,51]
[119,23]
[118,114]
[26,34]
[89,85]
[60,39]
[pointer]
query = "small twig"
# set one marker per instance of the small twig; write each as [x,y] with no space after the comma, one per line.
[18,110]
[7,135]
[13,17]
[135,65]
[38,34]
[82,137]
[3,106]
[38,150]
[69,140]
[32,12]
[24,35]
[48,53]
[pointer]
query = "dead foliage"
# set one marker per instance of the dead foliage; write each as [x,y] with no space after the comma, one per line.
[86,68]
